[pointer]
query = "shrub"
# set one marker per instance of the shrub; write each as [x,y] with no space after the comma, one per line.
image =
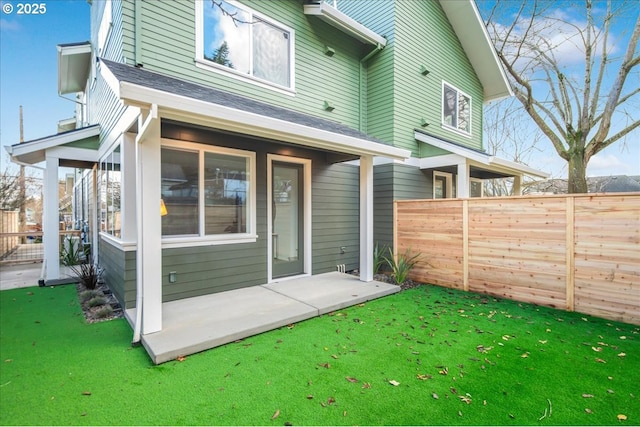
[378,258]
[96,301]
[401,268]
[103,312]
[89,294]
[80,262]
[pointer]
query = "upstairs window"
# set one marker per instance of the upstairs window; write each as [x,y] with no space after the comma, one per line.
[237,40]
[456,109]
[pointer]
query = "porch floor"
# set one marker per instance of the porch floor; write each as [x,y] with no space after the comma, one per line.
[196,324]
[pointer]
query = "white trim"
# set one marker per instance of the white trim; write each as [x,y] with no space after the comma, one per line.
[346,24]
[366,218]
[201,239]
[30,147]
[50,224]
[462,179]
[125,246]
[203,63]
[307,208]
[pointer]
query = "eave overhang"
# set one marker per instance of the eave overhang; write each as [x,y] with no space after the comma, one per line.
[73,147]
[211,114]
[344,23]
[472,33]
[491,163]
[74,65]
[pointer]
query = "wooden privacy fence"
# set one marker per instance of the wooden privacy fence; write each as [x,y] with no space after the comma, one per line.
[576,252]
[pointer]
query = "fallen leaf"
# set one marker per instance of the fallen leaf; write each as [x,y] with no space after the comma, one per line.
[600,360]
[291,326]
[610,391]
[435,396]
[181,358]
[588,411]
[465,399]
[394,383]
[366,385]
[506,337]
[324,365]
[459,413]
[525,355]
[276,414]
[334,356]
[86,393]
[542,341]
[598,349]
[444,371]
[331,400]
[8,360]
[622,354]
[622,417]
[344,414]
[352,380]
[623,338]
[310,396]
[587,396]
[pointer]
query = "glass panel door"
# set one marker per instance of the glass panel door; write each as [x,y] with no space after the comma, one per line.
[287,219]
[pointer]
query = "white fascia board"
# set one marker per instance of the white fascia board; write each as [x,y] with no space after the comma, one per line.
[343,22]
[82,154]
[461,151]
[474,37]
[517,167]
[33,147]
[441,161]
[192,110]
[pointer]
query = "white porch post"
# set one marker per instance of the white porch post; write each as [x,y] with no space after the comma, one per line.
[462,190]
[366,218]
[51,219]
[149,224]
[517,185]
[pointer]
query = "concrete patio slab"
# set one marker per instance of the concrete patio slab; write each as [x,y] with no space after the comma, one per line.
[196,324]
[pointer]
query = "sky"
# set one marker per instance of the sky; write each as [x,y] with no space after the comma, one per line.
[28,77]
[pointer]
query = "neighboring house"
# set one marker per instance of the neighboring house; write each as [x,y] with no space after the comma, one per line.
[595,184]
[231,147]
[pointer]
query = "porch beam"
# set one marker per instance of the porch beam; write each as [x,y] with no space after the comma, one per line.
[50,219]
[366,218]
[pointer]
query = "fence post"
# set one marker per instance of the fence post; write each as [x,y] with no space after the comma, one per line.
[570,253]
[465,245]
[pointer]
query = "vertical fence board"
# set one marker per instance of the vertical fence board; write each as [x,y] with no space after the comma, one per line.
[576,252]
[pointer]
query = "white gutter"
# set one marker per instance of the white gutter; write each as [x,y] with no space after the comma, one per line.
[344,23]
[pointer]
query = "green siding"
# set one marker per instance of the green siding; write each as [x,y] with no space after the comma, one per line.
[119,272]
[335,223]
[399,96]
[396,182]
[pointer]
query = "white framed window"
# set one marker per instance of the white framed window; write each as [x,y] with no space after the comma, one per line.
[442,185]
[476,187]
[233,39]
[208,193]
[110,194]
[456,109]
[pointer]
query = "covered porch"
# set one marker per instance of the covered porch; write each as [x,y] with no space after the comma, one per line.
[196,324]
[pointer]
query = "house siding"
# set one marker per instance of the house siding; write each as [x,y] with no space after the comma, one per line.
[168,32]
[396,182]
[335,220]
[119,272]
[419,33]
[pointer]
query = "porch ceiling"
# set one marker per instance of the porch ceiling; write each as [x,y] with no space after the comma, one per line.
[482,165]
[75,148]
[193,103]
[74,63]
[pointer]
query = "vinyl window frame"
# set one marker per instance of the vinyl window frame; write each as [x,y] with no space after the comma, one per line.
[459,94]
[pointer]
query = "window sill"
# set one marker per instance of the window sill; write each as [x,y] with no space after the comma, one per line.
[457,131]
[186,242]
[207,65]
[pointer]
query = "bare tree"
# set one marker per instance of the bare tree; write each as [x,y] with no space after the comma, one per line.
[568,71]
[505,137]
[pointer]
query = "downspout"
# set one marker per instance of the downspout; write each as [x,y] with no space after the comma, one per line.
[137,33]
[361,86]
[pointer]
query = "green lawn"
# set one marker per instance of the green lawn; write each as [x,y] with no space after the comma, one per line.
[421,357]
